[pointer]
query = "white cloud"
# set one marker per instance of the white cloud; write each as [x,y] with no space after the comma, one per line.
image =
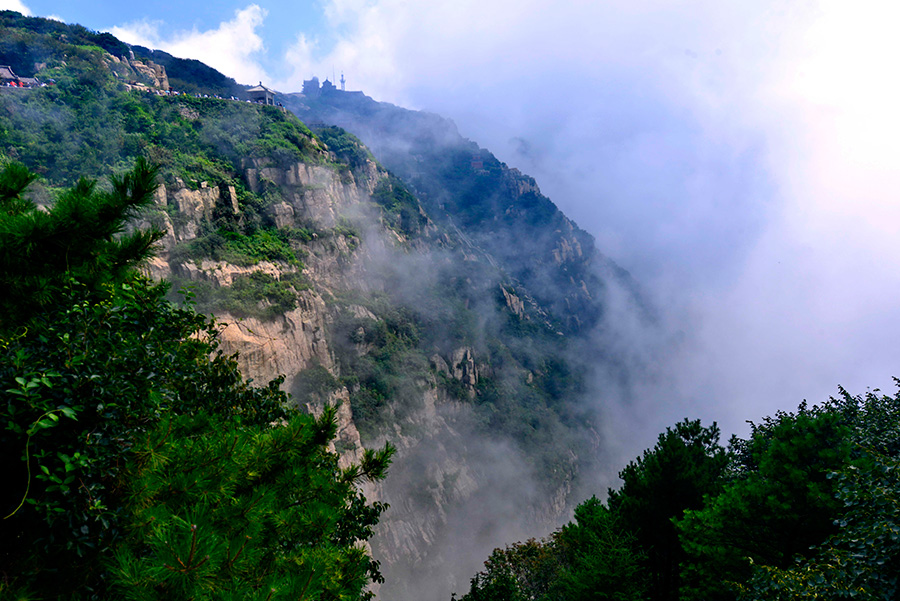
[16,5]
[740,158]
[232,48]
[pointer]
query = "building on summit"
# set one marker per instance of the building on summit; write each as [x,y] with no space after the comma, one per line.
[311,87]
[262,95]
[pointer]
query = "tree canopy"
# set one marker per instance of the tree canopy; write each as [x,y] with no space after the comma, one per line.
[806,507]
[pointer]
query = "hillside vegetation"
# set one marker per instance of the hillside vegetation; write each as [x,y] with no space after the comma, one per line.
[299,236]
[139,463]
[397,295]
[807,507]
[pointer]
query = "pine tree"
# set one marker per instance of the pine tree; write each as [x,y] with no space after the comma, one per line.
[139,464]
[80,237]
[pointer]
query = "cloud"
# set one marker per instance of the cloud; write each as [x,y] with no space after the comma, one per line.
[233,48]
[739,158]
[16,5]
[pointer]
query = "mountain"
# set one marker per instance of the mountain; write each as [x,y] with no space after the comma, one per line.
[399,271]
[464,185]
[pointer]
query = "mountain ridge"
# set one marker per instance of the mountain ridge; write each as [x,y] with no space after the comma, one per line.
[413,306]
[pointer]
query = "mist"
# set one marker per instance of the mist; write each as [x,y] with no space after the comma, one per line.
[737,160]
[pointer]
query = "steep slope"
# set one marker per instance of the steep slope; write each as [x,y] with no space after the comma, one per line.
[496,206]
[428,321]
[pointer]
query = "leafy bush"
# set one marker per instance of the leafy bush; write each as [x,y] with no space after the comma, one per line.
[589,559]
[315,381]
[345,145]
[245,250]
[401,208]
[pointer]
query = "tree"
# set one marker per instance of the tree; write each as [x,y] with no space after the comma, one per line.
[599,559]
[139,463]
[778,503]
[862,559]
[80,238]
[686,465]
[591,558]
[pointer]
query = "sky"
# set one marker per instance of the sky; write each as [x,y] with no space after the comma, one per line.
[739,158]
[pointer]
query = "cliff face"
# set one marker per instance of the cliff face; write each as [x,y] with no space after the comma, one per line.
[495,206]
[445,468]
[314,194]
[448,307]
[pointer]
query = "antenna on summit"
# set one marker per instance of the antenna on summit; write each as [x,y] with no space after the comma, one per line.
[342,81]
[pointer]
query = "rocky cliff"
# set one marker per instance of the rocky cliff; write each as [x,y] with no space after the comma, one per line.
[447,306]
[359,271]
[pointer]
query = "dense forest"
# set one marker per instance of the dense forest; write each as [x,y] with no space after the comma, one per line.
[807,507]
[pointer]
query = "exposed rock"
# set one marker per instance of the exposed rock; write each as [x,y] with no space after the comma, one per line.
[567,249]
[282,214]
[439,365]
[156,74]
[315,192]
[282,346]
[462,366]
[229,196]
[438,469]
[513,302]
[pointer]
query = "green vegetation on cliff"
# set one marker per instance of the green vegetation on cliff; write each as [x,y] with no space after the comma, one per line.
[448,318]
[139,464]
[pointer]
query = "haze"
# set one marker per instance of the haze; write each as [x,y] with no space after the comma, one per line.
[740,159]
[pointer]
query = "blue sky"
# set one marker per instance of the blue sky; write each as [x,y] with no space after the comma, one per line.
[276,24]
[740,158]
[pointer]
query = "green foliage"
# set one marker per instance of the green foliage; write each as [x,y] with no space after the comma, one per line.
[861,560]
[385,381]
[346,146]
[257,294]
[261,245]
[255,512]
[599,558]
[284,137]
[780,503]
[686,464]
[245,250]
[807,507]
[518,572]
[28,41]
[589,559]
[401,209]
[139,463]
[316,382]
[80,236]
[83,124]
